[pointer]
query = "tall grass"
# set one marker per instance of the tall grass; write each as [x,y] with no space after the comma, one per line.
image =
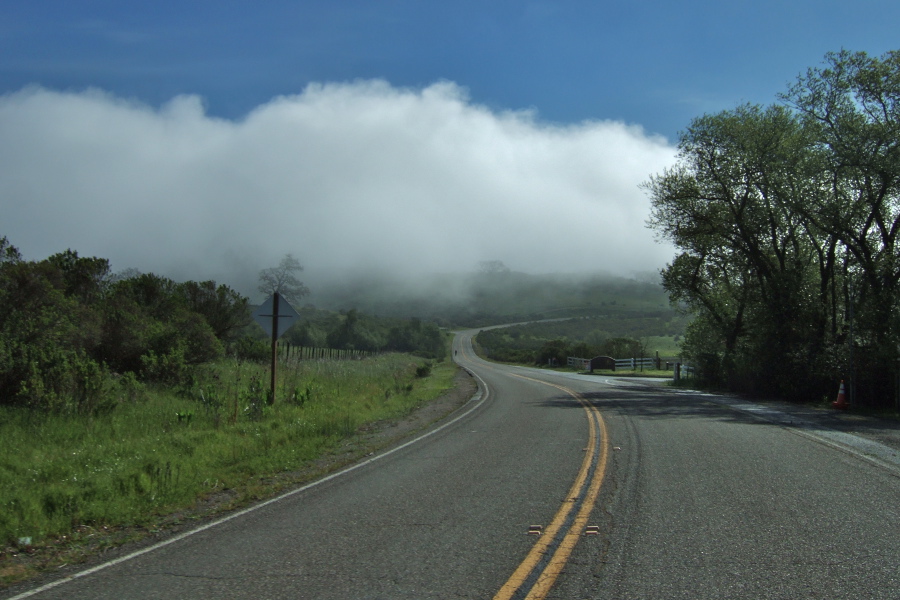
[162,450]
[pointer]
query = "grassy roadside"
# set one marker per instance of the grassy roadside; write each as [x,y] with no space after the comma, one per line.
[72,485]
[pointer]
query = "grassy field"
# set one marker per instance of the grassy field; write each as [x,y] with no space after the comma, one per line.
[666,345]
[64,476]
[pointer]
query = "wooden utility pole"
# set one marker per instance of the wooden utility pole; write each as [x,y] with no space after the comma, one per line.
[275,298]
[275,316]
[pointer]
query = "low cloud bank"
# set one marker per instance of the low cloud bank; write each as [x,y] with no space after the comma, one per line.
[354,176]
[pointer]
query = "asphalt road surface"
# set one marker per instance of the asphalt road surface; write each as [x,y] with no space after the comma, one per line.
[548,485]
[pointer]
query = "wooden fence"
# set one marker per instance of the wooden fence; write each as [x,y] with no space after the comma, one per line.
[297,352]
[581,363]
[621,364]
[637,363]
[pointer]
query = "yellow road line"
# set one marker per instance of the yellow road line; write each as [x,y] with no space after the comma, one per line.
[550,573]
[549,533]
[564,551]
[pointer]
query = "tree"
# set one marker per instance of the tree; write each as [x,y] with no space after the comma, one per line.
[492,267]
[355,332]
[620,347]
[745,265]
[778,212]
[283,279]
[424,339]
[85,278]
[552,352]
[225,310]
[149,323]
[45,340]
[852,107]
[8,252]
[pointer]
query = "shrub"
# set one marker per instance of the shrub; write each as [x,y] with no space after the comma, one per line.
[248,348]
[424,370]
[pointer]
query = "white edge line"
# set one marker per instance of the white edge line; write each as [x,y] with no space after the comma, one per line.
[479,398]
[821,434]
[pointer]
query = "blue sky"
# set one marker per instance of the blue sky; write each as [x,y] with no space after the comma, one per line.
[399,136]
[656,64]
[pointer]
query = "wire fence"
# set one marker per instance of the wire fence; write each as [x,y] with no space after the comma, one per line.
[288,351]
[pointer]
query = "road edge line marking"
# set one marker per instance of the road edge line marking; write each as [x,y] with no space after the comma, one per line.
[485,394]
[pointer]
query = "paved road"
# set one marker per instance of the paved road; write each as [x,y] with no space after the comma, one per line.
[707,497]
[632,491]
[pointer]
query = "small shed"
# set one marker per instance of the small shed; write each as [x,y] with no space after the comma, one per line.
[603,363]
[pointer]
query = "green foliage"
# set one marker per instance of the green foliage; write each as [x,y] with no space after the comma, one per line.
[85,279]
[554,353]
[300,396]
[151,314]
[786,218]
[223,309]
[131,389]
[622,333]
[312,334]
[170,368]
[354,330]
[254,398]
[8,252]
[66,324]
[424,370]
[45,338]
[167,451]
[423,339]
[253,349]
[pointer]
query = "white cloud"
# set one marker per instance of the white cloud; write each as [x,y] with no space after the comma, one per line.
[343,176]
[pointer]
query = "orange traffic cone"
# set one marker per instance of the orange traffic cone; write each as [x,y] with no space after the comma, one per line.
[841,401]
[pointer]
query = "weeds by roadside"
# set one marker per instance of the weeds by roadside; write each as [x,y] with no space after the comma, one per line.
[161,450]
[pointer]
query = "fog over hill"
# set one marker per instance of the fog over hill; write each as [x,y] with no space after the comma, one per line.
[479,298]
[350,178]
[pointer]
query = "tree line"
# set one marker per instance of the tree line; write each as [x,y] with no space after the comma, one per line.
[619,334]
[786,220]
[71,330]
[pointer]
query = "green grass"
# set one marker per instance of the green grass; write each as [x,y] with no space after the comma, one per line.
[665,345]
[161,451]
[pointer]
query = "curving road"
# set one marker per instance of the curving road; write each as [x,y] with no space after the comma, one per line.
[548,485]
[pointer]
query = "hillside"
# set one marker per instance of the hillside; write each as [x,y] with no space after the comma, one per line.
[482,299]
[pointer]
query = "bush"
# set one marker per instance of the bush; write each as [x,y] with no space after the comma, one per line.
[248,348]
[424,370]
[57,380]
[169,368]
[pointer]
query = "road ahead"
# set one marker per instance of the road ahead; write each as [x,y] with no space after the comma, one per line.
[630,490]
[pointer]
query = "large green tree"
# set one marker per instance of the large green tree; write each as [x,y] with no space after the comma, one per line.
[851,106]
[776,211]
[225,310]
[746,261]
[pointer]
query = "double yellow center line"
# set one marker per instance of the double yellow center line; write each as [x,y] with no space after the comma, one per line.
[536,574]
